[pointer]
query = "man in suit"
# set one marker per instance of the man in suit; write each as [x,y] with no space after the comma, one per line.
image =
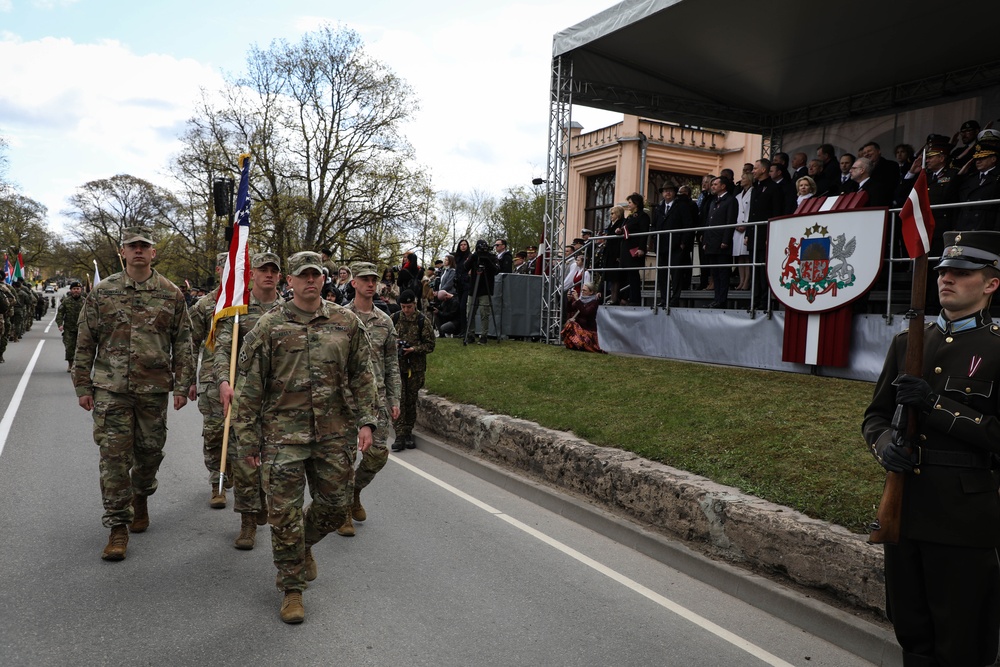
[827,183]
[765,203]
[884,174]
[981,184]
[799,168]
[787,187]
[504,258]
[846,162]
[670,215]
[942,578]
[716,242]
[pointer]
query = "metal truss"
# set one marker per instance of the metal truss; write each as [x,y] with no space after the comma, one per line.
[556,187]
[771,142]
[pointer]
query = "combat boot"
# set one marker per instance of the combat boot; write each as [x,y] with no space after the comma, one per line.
[310,569]
[357,510]
[292,610]
[218,500]
[140,518]
[347,528]
[248,532]
[117,544]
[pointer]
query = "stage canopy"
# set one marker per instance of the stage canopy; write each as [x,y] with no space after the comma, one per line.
[778,65]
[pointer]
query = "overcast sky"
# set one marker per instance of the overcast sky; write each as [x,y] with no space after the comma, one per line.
[94,88]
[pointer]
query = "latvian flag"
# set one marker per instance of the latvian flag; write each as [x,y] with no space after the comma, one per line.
[918,221]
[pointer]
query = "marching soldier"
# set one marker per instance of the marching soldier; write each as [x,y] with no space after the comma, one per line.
[415,333]
[27,305]
[385,364]
[133,348]
[202,314]
[249,499]
[306,385]
[7,308]
[67,320]
[942,579]
[17,319]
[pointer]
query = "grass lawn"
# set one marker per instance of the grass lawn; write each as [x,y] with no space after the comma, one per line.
[789,438]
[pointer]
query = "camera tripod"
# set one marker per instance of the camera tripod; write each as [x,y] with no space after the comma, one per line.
[470,323]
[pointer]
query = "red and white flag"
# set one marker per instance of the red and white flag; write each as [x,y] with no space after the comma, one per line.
[918,221]
[235,293]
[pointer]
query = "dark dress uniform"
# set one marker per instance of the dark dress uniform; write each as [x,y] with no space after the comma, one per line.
[943,577]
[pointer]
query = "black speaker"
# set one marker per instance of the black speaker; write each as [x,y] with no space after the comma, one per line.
[222,190]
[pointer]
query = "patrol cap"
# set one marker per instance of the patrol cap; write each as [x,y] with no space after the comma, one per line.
[301,261]
[136,234]
[359,269]
[407,297]
[970,250]
[938,144]
[262,258]
[220,259]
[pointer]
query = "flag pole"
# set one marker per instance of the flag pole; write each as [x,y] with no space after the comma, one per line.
[229,410]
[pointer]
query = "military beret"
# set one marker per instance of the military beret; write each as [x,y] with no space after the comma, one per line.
[407,297]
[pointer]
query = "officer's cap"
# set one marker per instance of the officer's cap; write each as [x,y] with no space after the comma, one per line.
[986,148]
[970,125]
[262,258]
[407,297]
[360,269]
[137,234]
[938,144]
[970,250]
[301,261]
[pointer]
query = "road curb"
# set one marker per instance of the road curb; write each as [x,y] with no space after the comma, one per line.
[862,638]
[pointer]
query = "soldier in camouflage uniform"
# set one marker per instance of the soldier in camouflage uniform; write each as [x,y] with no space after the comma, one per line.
[8,298]
[415,332]
[17,318]
[249,499]
[385,364]
[202,313]
[28,303]
[306,388]
[135,340]
[67,320]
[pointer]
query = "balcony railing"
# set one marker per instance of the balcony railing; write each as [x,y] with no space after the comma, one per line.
[665,133]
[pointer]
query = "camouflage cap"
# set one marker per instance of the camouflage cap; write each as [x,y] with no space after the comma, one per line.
[301,261]
[220,259]
[359,269]
[262,258]
[135,234]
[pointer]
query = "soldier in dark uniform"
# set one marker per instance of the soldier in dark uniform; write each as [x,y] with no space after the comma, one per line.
[943,579]
[962,154]
[981,183]
[67,320]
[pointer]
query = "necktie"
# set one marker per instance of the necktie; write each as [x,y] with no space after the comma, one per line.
[982,177]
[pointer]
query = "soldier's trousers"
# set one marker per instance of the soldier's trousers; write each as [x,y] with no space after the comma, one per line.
[69,342]
[412,382]
[130,430]
[329,466]
[377,455]
[16,328]
[211,432]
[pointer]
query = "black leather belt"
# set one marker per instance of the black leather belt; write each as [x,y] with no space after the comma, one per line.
[941,457]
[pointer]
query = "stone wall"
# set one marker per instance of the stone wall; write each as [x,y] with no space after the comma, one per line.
[712,518]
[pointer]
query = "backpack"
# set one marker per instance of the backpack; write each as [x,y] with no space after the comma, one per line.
[420,322]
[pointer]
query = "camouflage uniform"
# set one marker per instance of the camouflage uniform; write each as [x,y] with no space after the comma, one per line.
[9,299]
[28,303]
[248,494]
[67,317]
[305,388]
[385,365]
[17,318]
[135,339]
[209,403]
[418,332]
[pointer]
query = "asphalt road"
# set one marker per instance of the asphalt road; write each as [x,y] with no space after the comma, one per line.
[448,569]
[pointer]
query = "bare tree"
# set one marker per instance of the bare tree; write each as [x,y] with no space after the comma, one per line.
[23,230]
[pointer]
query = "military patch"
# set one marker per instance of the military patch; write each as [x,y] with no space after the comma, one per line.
[248,349]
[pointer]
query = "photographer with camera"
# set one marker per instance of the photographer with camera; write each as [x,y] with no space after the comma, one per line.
[483,268]
[414,340]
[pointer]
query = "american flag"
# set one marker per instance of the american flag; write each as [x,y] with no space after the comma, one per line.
[235,293]
[8,270]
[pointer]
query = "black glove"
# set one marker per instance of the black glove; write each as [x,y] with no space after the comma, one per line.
[915,392]
[891,454]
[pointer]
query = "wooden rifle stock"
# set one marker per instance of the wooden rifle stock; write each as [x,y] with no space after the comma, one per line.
[885,528]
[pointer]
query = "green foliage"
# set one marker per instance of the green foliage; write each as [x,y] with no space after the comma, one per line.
[788,438]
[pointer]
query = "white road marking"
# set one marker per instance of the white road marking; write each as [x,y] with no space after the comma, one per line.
[655,597]
[51,322]
[15,401]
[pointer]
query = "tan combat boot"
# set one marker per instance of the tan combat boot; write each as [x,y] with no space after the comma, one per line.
[140,519]
[357,510]
[218,500]
[117,544]
[311,570]
[292,610]
[248,532]
[347,528]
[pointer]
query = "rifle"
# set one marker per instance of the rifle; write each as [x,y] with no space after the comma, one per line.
[885,528]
